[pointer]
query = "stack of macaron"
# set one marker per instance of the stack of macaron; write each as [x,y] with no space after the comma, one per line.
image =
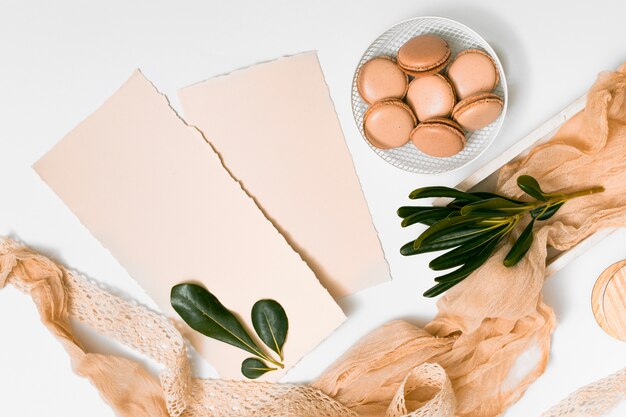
[410,100]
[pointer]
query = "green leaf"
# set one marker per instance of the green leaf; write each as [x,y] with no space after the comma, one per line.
[429,222]
[480,257]
[270,323]
[543,213]
[465,252]
[434,213]
[439,288]
[428,192]
[252,368]
[445,282]
[408,250]
[486,196]
[444,226]
[448,260]
[459,203]
[203,312]
[521,246]
[494,206]
[438,245]
[460,234]
[406,211]
[531,187]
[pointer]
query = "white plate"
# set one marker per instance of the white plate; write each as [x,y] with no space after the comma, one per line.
[459,37]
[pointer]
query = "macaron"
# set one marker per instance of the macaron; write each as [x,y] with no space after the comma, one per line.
[388,123]
[473,71]
[423,55]
[477,111]
[439,137]
[380,78]
[430,96]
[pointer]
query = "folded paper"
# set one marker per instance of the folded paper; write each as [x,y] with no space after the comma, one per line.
[152,190]
[276,129]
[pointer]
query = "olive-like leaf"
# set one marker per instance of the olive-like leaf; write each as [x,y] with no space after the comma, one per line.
[270,323]
[521,246]
[480,257]
[459,203]
[448,260]
[459,234]
[464,253]
[406,211]
[439,288]
[435,213]
[531,187]
[429,222]
[408,249]
[494,206]
[485,195]
[252,368]
[204,313]
[428,192]
[443,226]
[444,283]
[546,213]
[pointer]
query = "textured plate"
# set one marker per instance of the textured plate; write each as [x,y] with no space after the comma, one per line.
[459,37]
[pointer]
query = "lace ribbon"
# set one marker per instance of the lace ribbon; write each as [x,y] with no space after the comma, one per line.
[61,294]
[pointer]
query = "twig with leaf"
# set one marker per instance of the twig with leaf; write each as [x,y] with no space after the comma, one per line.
[204,313]
[473,224]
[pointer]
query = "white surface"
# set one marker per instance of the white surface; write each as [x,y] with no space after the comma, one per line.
[60,60]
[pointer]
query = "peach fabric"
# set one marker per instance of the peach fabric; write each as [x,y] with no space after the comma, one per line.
[276,129]
[491,336]
[152,190]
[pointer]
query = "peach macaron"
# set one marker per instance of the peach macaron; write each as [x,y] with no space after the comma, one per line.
[387,124]
[473,71]
[381,78]
[423,55]
[438,137]
[477,111]
[430,96]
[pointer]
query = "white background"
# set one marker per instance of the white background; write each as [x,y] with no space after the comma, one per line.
[59,60]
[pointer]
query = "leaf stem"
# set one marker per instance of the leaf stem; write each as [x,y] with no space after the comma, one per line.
[589,191]
[272,361]
[556,198]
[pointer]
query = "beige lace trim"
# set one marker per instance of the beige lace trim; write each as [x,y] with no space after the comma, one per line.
[60,294]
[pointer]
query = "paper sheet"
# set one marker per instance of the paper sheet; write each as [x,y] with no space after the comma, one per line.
[276,129]
[157,196]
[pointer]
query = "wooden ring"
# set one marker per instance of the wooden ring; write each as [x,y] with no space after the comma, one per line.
[608,300]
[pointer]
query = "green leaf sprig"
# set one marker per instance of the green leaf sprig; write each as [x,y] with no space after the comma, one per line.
[472,225]
[204,313]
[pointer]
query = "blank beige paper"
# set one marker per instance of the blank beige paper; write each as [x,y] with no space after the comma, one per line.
[276,129]
[156,195]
